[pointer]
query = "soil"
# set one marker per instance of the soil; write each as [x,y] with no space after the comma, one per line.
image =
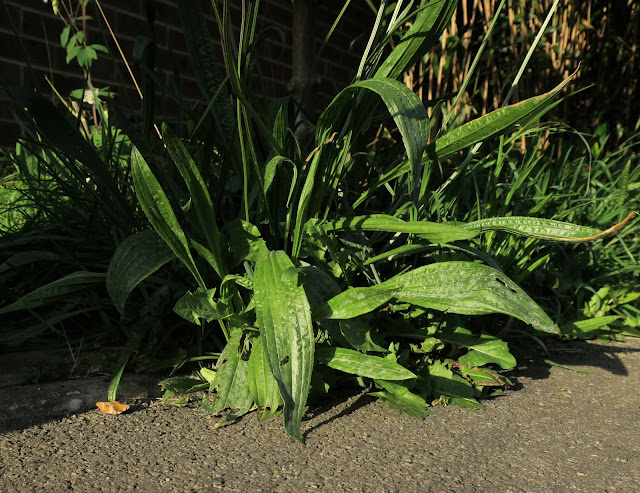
[560,430]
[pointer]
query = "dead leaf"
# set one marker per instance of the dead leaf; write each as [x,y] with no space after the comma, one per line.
[113,407]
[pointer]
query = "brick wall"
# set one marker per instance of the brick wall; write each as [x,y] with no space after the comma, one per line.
[38,45]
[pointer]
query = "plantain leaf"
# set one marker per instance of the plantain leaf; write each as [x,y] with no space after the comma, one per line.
[483,349]
[494,124]
[365,365]
[55,290]
[456,389]
[284,319]
[354,302]
[262,384]
[136,258]
[541,228]
[157,208]
[434,232]
[405,107]
[200,198]
[397,396]
[229,393]
[489,351]
[200,304]
[469,289]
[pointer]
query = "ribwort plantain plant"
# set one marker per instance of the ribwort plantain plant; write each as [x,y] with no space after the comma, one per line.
[327,263]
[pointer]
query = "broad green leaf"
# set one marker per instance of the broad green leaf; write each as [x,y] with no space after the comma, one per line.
[406,109]
[493,124]
[262,384]
[157,208]
[354,302]
[456,389]
[284,319]
[200,198]
[397,396]
[489,351]
[200,304]
[483,349]
[434,232]
[364,365]
[469,289]
[55,290]
[229,393]
[136,258]
[424,32]
[548,229]
[483,376]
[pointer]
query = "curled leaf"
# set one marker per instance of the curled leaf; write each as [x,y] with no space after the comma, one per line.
[112,407]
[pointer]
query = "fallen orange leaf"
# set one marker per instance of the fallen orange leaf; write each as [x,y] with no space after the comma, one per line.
[113,407]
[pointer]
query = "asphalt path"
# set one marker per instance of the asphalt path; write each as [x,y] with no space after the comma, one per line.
[559,430]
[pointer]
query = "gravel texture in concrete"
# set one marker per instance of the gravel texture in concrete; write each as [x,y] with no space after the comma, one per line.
[560,430]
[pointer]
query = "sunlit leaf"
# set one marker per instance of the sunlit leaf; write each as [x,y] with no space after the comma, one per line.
[200,304]
[469,289]
[354,302]
[284,319]
[229,393]
[365,365]
[399,397]
[434,232]
[262,385]
[456,389]
[157,208]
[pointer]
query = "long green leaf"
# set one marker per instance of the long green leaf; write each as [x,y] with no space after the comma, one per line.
[63,137]
[136,258]
[365,365]
[157,208]
[200,198]
[284,319]
[262,385]
[55,290]
[229,392]
[494,124]
[407,110]
[548,229]
[469,289]
[434,232]
[354,302]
